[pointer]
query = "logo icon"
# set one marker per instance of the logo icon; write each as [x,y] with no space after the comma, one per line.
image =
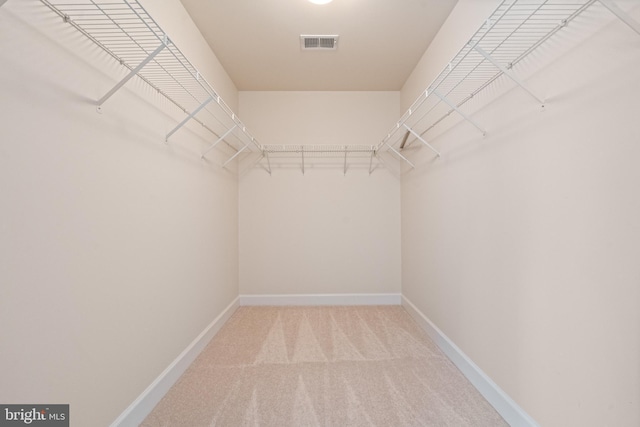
[34,415]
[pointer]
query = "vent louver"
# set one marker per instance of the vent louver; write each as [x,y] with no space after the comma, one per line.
[318,42]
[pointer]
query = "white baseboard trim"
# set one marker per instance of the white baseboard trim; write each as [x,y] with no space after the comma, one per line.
[321,299]
[144,404]
[506,407]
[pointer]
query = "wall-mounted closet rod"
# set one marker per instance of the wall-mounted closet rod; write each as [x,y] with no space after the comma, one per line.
[67,19]
[125,30]
[200,81]
[320,149]
[448,69]
[561,24]
[322,153]
[513,31]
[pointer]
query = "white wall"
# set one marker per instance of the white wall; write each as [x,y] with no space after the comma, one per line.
[116,250]
[321,232]
[523,246]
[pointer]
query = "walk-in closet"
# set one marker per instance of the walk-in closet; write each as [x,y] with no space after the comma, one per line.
[320,212]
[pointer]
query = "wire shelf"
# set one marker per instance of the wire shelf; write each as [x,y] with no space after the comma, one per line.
[306,155]
[514,30]
[127,32]
[320,150]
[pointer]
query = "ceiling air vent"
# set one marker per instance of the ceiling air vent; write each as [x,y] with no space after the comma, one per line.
[318,42]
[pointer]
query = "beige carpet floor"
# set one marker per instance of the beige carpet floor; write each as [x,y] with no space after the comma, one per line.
[322,366]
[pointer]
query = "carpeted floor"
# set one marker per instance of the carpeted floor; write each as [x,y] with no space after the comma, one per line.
[322,366]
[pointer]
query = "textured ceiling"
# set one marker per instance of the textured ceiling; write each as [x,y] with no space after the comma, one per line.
[258,41]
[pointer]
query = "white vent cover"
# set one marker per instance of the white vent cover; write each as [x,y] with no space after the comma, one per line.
[308,42]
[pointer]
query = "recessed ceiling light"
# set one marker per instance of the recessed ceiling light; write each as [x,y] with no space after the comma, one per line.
[320,1]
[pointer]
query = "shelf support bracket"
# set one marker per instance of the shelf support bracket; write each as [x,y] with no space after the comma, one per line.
[235,155]
[211,147]
[133,72]
[345,161]
[417,135]
[189,117]
[401,156]
[621,14]
[266,153]
[371,160]
[509,74]
[455,107]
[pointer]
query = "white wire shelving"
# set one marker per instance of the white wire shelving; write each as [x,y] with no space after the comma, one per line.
[125,30]
[129,34]
[514,30]
[306,154]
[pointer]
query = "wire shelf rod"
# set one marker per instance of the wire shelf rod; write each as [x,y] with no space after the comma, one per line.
[397,153]
[512,31]
[317,149]
[127,33]
[450,67]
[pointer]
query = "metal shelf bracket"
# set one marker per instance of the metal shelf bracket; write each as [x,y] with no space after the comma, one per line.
[189,117]
[268,161]
[212,146]
[135,71]
[235,155]
[402,157]
[507,72]
[128,34]
[417,135]
[345,160]
[462,113]
[373,153]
